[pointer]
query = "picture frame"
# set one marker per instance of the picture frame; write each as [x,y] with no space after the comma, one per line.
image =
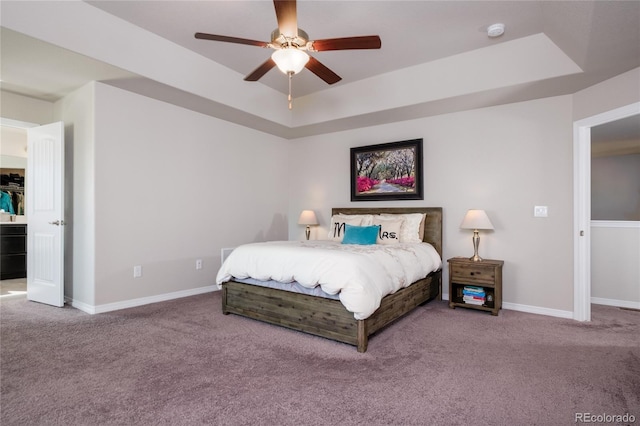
[388,171]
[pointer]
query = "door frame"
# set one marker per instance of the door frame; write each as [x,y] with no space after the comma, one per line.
[582,205]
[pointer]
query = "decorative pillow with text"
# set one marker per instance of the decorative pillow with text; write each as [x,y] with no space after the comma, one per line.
[337,227]
[389,230]
[410,231]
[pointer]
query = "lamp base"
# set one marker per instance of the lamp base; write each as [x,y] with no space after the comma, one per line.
[476,244]
[307,232]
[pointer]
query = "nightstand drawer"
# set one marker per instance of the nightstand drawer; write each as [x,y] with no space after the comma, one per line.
[473,274]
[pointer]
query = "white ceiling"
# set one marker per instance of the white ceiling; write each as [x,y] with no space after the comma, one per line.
[44,71]
[436,56]
[412,32]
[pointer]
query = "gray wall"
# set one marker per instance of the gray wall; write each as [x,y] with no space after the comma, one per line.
[173,186]
[615,187]
[504,159]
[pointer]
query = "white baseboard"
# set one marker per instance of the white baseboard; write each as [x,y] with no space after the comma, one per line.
[90,309]
[84,307]
[614,302]
[531,309]
[538,310]
[108,307]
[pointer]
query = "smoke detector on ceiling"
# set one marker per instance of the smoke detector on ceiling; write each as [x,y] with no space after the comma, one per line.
[495,30]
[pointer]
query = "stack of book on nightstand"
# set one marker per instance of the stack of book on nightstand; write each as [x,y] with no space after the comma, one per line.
[473,295]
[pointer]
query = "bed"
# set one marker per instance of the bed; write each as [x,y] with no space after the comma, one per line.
[329,318]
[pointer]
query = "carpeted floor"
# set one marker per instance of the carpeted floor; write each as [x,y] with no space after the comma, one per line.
[184,363]
[13,288]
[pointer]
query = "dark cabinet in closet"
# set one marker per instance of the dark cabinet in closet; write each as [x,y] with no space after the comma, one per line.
[13,246]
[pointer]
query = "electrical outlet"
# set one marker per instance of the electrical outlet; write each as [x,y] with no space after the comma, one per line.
[198,263]
[137,271]
[540,211]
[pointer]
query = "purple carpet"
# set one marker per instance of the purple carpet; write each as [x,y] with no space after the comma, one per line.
[184,363]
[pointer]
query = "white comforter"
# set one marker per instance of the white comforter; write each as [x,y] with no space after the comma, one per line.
[361,274]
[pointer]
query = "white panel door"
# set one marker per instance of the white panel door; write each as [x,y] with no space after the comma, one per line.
[45,214]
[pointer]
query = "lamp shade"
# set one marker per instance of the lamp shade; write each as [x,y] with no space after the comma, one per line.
[307,217]
[290,60]
[476,219]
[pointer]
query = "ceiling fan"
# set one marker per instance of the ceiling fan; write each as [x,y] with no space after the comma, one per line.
[291,45]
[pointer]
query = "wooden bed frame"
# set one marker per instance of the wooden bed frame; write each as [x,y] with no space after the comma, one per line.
[329,318]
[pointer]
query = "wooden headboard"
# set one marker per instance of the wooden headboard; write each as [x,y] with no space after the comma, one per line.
[432,224]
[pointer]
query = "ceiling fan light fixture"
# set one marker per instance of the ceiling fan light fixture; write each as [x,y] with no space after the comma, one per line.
[290,59]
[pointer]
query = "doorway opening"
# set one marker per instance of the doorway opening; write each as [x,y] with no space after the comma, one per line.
[582,205]
[13,165]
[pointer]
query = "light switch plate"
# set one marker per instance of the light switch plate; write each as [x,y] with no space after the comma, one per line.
[540,211]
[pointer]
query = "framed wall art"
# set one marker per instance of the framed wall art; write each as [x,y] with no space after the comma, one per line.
[389,171]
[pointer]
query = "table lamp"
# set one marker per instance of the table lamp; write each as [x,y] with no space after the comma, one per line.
[307,217]
[476,219]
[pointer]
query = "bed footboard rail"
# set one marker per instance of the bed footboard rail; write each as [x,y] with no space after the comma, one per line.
[324,317]
[310,314]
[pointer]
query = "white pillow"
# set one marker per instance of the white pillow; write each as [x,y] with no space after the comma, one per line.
[336,229]
[367,219]
[389,230]
[410,231]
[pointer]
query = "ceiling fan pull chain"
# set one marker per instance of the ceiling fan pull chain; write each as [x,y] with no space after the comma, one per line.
[289,98]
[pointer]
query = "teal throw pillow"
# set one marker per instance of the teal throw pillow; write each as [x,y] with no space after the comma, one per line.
[363,235]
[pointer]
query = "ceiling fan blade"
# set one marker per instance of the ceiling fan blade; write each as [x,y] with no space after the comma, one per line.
[261,70]
[204,36]
[347,43]
[322,71]
[287,17]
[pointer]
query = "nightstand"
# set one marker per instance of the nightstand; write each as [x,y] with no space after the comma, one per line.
[484,278]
